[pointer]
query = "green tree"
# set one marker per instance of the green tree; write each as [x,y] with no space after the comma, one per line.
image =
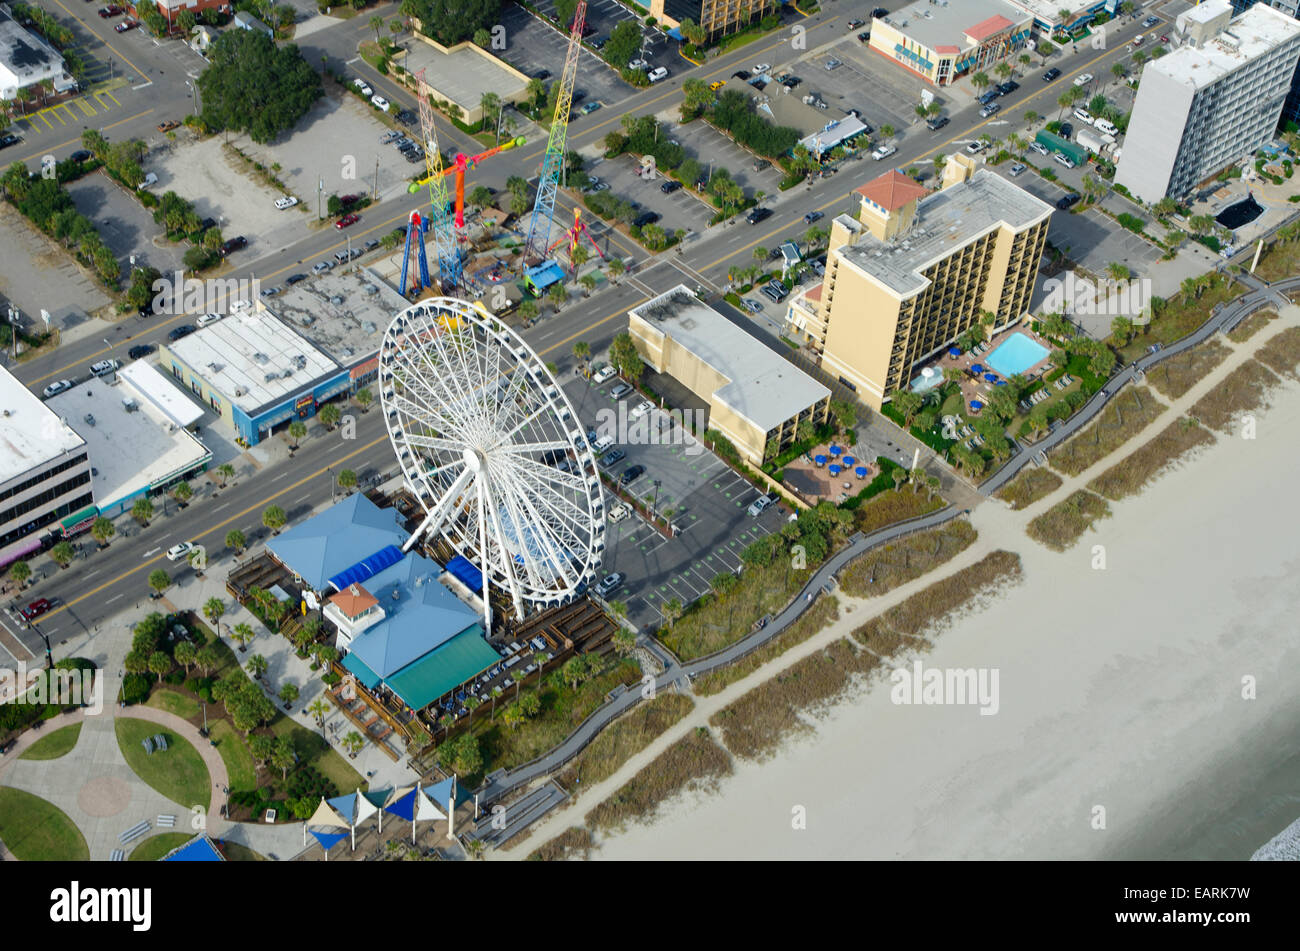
[254,86]
[347,479]
[273,517]
[159,664]
[102,530]
[20,571]
[214,609]
[182,492]
[63,553]
[907,403]
[363,398]
[142,510]
[329,415]
[185,653]
[257,665]
[624,357]
[671,610]
[159,580]
[980,80]
[235,540]
[242,633]
[297,429]
[207,659]
[623,44]
[288,693]
[282,755]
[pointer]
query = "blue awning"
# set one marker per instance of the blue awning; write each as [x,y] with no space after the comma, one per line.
[463,570]
[367,568]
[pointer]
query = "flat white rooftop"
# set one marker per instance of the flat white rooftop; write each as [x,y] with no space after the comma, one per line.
[1259,30]
[1049,11]
[765,388]
[148,385]
[130,451]
[31,432]
[934,25]
[345,314]
[254,358]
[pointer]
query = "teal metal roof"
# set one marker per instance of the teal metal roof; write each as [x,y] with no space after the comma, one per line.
[455,662]
[367,677]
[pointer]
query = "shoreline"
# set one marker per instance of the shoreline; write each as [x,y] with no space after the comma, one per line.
[1142,717]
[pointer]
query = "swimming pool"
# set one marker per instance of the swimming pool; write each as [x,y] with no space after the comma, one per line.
[1015,355]
[923,383]
[1240,213]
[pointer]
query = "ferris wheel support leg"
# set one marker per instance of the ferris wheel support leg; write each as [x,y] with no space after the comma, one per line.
[483,557]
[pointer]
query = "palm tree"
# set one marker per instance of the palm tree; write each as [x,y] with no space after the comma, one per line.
[582,352]
[329,415]
[671,610]
[257,665]
[318,708]
[185,653]
[243,635]
[20,571]
[183,493]
[760,254]
[235,540]
[142,510]
[102,531]
[63,553]
[1031,117]
[363,397]
[213,609]
[347,479]
[980,80]
[273,517]
[1118,270]
[288,693]
[376,24]
[226,471]
[297,429]
[159,580]
[496,692]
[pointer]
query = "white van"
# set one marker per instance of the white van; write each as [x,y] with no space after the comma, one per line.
[602,445]
[1106,127]
[150,180]
[1083,115]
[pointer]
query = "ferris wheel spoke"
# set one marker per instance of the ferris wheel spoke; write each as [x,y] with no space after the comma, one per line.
[550,474]
[507,562]
[440,510]
[434,442]
[420,414]
[541,527]
[559,504]
[522,448]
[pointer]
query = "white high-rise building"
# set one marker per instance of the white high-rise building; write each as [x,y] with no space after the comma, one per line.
[1212,102]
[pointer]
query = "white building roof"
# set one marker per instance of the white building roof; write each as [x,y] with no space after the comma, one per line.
[254,359]
[31,433]
[25,58]
[765,388]
[833,134]
[129,450]
[149,386]
[1254,33]
[934,25]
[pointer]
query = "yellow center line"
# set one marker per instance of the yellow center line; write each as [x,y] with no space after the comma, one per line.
[106,43]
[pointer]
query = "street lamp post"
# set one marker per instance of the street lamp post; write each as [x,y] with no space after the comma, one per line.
[654,506]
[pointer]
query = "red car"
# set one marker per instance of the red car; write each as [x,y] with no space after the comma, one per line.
[125,25]
[349,199]
[36,609]
[346,220]
[110,11]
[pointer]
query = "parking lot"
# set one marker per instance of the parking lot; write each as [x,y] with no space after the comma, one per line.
[709,504]
[532,45]
[38,274]
[126,226]
[884,93]
[604,15]
[680,209]
[714,150]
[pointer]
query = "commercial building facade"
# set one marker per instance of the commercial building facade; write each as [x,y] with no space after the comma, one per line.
[44,471]
[1210,103]
[717,17]
[915,269]
[757,399]
[941,42]
[28,60]
[1291,110]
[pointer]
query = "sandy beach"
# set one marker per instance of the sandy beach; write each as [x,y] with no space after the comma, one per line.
[1120,690]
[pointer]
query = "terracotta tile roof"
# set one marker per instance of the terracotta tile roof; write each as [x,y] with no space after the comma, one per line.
[947,48]
[814,293]
[892,190]
[983,30]
[354,600]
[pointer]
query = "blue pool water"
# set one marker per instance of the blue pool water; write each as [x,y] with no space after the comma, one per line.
[1016,355]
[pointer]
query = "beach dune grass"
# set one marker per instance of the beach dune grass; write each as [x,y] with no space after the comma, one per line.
[1130,475]
[693,763]
[56,744]
[178,772]
[573,842]
[1028,487]
[823,611]
[623,739]
[1174,376]
[35,830]
[1243,390]
[1252,325]
[1281,353]
[1130,412]
[1065,522]
[896,505]
[156,846]
[887,567]
[932,608]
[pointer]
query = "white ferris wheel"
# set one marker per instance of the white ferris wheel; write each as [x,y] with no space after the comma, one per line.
[490,445]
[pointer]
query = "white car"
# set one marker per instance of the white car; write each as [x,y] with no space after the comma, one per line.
[638,64]
[642,408]
[379,102]
[762,68]
[287,202]
[619,512]
[177,552]
[883,151]
[58,386]
[208,319]
[1083,79]
[658,73]
[603,374]
[363,86]
[104,366]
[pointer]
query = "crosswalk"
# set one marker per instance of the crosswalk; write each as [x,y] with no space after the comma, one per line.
[73,113]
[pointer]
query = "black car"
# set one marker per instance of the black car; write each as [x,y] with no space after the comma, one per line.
[791,81]
[758,214]
[146,310]
[7,140]
[611,457]
[645,218]
[740,74]
[184,330]
[207,223]
[1066,201]
[631,474]
[988,97]
[1066,130]
[937,123]
[669,187]
[864,37]
[406,117]
[878,12]
[542,74]
[579,95]
[140,351]
[233,244]
[1051,74]
[81,155]
[1008,87]
[295,278]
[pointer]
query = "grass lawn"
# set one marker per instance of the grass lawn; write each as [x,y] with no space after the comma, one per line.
[38,831]
[56,744]
[179,773]
[563,710]
[235,852]
[234,753]
[315,752]
[155,847]
[173,702]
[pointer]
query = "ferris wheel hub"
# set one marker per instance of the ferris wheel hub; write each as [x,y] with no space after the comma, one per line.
[474,459]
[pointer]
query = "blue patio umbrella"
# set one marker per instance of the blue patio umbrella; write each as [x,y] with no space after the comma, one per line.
[976,405]
[991,377]
[836,450]
[954,351]
[976,368]
[835,470]
[820,460]
[848,461]
[860,472]
[1002,383]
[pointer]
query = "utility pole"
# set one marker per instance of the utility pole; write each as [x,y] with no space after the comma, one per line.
[320,188]
[375,193]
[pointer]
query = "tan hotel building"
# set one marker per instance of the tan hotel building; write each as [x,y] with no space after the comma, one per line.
[718,17]
[914,270]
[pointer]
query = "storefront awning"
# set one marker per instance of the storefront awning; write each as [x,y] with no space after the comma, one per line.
[88,514]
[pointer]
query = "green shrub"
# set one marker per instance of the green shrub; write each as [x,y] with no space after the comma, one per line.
[136,687]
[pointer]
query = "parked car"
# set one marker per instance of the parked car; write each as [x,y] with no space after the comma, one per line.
[610,582]
[269,292]
[641,409]
[287,201]
[1051,74]
[854,24]
[233,244]
[761,504]
[670,186]
[1008,87]
[58,386]
[619,512]
[1016,169]
[937,123]
[363,87]
[976,147]
[184,330]
[1067,201]
[347,221]
[638,63]
[320,267]
[833,64]
[991,109]
[758,214]
[790,82]
[883,152]
[811,217]
[36,609]
[1151,21]
[751,305]
[631,474]
[1083,115]
[207,319]
[1083,79]
[293,279]
[740,74]
[613,457]
[762,68]
[168,125]
[406,117]
[139,351]
[864,36]
[1062,159]
[379,102]
[9,139]
[110,11]
[124,26]
[645,218]
[104,367]
[656,74]
[1040,148]
[985,98]
[620,391]
[604,373]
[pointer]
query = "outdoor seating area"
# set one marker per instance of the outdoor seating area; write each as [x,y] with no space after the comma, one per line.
[1016,351]
[829,472]
[154,744]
